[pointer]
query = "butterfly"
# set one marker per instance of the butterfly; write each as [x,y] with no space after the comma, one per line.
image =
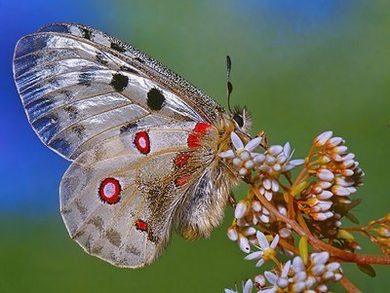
[142,141]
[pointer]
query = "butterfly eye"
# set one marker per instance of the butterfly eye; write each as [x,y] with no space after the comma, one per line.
[239,120]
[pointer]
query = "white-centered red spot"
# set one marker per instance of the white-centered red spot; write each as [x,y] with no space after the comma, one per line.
[194,138]
[141,225]
[110,190]
[142,142]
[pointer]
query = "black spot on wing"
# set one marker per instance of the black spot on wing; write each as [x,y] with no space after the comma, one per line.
[155,99]
[101,58]
[85,78]
[86,33]
[68,95]
[119,81]
[79,131]
[128,127]
[118,47]
[72,112]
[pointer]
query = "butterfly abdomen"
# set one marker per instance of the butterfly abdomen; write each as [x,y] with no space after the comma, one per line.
[205,200]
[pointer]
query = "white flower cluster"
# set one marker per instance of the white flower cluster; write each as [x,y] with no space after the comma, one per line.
[247,214]
[315,274]
[338,175]
[270,165]
[295,276]
[243,157]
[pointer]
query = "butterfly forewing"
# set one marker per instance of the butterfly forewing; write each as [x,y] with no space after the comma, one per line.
[77,92]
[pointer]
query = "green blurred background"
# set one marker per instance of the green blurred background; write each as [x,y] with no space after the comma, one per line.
[301,67]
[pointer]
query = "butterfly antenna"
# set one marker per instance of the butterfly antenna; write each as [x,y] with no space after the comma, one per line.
[229,86]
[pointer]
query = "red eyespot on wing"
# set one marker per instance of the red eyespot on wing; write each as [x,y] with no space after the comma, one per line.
[193,140]
[142,142]
[141,225]
[182,180]
[181,159]
[201,127]
[109,190]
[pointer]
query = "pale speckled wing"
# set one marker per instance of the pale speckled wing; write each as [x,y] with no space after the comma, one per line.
[132,229]
[80,86]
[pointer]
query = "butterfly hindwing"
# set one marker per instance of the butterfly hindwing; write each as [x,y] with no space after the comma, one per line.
[119,199]
[77,92]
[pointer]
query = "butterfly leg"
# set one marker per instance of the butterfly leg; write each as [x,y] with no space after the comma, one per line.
[264,139]
[232,199]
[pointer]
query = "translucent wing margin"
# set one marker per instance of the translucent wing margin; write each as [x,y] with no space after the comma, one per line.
[80,86]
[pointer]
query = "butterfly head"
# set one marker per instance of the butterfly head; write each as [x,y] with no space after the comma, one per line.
[241,118]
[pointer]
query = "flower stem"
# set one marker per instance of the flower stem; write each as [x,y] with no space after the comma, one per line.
[347,284]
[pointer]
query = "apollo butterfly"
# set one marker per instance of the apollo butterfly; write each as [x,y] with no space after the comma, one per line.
[143,142]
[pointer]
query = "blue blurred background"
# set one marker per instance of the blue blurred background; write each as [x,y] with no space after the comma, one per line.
[301,67]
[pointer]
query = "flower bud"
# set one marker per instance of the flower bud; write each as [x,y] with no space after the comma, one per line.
[321,139]
[240,210]
[325,175]
[232,234]
[244,244]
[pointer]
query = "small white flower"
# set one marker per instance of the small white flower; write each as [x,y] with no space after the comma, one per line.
[275,150]
[287,150]
[266,250]
[253,144]
[260,280]
[236,141]
[228,155]
[283,279]
[248,286]
[271,277]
